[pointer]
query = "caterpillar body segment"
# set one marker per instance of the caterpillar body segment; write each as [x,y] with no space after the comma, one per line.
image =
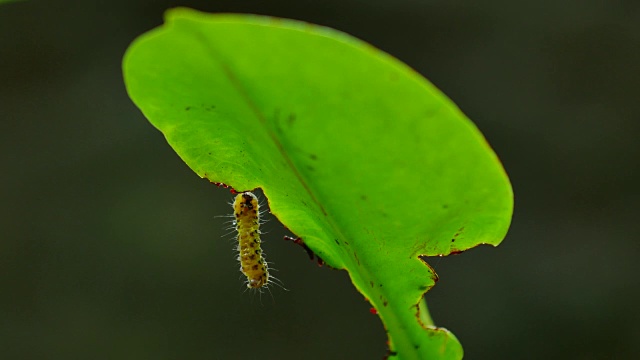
[252,263]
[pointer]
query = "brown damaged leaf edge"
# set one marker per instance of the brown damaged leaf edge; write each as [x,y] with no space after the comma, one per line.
[430,330]
[435,277]
[310,253]
[223,185]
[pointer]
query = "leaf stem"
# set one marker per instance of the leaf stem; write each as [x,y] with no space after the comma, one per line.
[425,317]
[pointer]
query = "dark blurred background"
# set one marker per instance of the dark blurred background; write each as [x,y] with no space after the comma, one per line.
[109,245]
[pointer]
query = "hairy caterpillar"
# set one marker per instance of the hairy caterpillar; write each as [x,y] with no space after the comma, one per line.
[252,263]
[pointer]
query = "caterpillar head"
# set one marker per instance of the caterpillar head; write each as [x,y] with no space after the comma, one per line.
[245,204]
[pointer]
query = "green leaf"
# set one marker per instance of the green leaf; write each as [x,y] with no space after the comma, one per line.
[357,154]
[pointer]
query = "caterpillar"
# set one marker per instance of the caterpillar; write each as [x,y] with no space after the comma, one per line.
[252,262]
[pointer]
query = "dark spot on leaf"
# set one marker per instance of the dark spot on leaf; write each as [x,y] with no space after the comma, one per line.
[291,119]
[363,197]
[453,240]
[445,206]
[356,256]
[423,288]
[385,303]
[371,283]
[313,157]
[337,242]
[188,108]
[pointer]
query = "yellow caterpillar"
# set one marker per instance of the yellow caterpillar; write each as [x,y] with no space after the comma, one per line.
[252,263]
